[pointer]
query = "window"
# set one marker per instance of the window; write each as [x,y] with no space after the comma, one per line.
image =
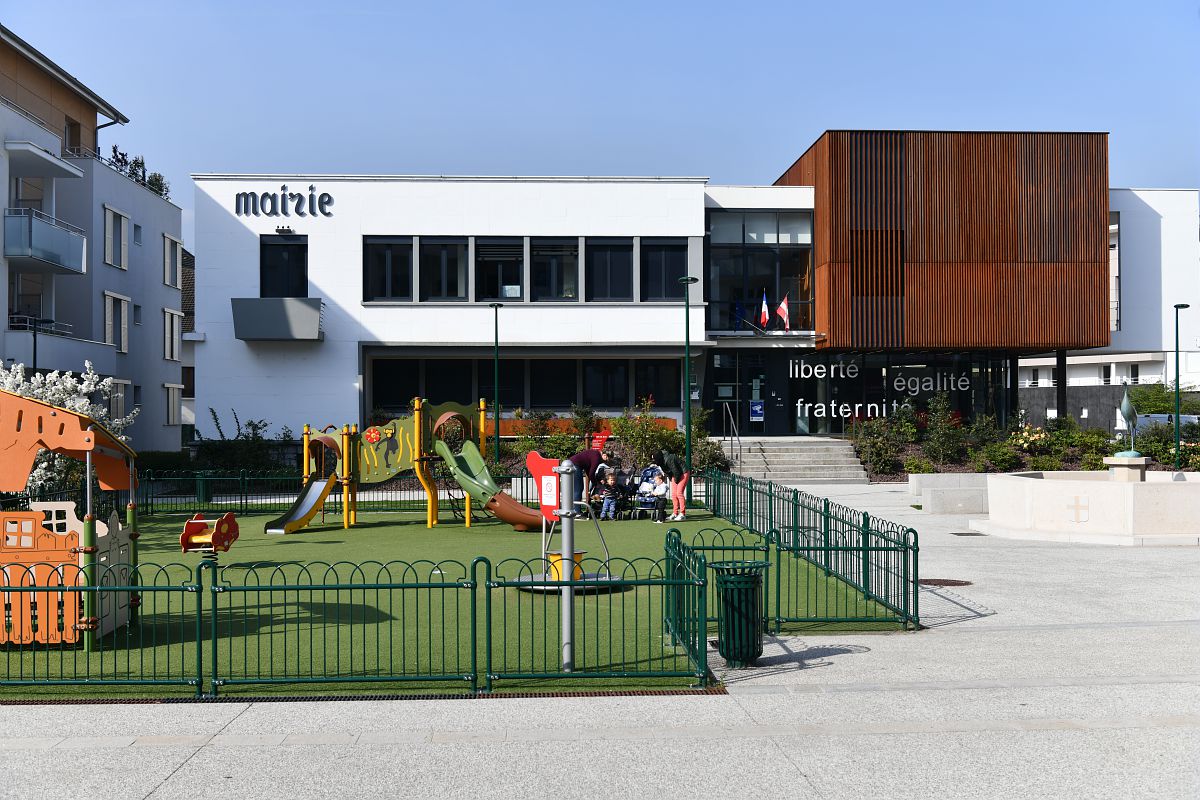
[174,392]
[554,269]
[1134,376]
[283,266]
[137,314]
[609,269]
[116,321]
[754,254]
[172,334]
[1034,380]
[450,381]
[1106,375]
[394,383]
[387,268]
[137,234]
[1114,270]
[664,262]
[606,384]
[116,400]
[137,395]
[553,383]
[71,135]
[189,383]
[499,269]
[116,238]
[172,260]
[657,379]
[443,269]
[512,381]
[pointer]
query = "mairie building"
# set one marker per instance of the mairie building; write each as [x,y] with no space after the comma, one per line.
[881,268]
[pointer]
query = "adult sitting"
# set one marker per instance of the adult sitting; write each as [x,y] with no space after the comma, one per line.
[677,472]
[587,463]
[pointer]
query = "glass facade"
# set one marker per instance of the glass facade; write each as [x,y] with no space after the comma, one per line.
[443,269]
[554,268]
[756,257]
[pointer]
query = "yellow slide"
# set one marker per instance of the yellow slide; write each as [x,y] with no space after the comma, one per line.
[311,499]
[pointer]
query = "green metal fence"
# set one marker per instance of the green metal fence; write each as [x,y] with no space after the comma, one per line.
[421,624]
[820,548]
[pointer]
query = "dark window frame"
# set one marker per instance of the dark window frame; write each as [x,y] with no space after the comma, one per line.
[601,259]
[281,285]
[557,278]
[606,403]
[655,250]
[485,263]
[391,242]
[443,267]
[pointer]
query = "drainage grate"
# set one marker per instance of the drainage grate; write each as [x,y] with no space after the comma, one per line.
[967,533]
[942,582]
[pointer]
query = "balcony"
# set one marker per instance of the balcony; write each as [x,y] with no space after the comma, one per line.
[38,242]
[52,346]
[278,319]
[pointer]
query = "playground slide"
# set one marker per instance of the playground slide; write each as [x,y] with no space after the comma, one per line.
[471,472]
[312,497]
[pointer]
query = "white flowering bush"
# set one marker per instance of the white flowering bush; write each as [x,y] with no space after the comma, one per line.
[86,393]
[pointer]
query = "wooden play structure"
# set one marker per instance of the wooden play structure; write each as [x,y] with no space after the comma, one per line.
[48,545]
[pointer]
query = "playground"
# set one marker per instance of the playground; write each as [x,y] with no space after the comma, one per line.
[456,589]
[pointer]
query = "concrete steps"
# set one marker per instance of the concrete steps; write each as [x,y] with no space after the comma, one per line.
[797,460]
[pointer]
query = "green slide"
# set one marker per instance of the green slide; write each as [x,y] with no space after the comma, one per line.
[470,470]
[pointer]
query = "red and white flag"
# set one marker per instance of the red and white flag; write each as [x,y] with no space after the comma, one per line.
[764,316]
[782,311]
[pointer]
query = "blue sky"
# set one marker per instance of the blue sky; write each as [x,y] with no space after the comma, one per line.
[730,91]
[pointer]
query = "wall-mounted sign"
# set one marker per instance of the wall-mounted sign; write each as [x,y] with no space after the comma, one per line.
[757,410]
[283,203]
[884,390]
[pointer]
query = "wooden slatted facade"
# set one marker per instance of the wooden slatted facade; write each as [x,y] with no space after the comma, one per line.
[946,240]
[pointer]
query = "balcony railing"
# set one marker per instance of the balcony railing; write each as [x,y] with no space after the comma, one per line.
[88,153]
[48,344]
[39,241]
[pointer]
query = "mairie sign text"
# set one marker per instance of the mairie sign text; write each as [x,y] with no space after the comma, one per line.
[283,203]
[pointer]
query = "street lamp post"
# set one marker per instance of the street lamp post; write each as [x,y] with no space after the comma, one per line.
[687,282]
[496,378]
[1178,308]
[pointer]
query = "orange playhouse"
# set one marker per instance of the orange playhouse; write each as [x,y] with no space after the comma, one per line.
[47,553]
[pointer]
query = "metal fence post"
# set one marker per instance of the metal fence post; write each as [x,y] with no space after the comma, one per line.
[199,589]
[749,523]
[825,532]
[866,552]
[244,487]
[770,505]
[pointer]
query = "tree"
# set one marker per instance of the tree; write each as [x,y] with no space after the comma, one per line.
[88,393]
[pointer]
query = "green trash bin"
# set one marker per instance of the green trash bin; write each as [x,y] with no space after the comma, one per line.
[740,610]
[203,490]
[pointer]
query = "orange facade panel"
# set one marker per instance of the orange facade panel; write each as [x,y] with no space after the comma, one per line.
[1013,225]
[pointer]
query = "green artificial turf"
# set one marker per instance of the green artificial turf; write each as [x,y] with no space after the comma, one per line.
[286,617]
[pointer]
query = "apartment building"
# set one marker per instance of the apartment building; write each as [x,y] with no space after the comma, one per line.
[92,258]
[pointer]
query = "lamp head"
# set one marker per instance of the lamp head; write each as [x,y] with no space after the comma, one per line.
[1179,306]
[495,305]
[688,279]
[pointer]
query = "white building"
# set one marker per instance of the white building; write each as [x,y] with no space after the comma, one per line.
[91,257]
[386,291]
[1154,254]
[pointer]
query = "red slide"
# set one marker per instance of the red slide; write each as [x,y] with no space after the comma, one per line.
[522,518]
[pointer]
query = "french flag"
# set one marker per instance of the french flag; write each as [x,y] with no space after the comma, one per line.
[764,316]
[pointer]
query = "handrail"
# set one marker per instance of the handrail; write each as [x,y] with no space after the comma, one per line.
[87,152]
[729,430]
[44,217]
[29,115]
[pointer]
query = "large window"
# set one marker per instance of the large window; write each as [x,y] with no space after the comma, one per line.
[606,384]
[609,269]
[172,335]
[387,268]
[760,254]
[172,260]
[512,382]
[394,383]
[443,269]
[553,383]
[116,238]
[449,381]
[174,397]
[664,262]
[554,264]
[499,269]
[283,266]
[657,380]
[116,321]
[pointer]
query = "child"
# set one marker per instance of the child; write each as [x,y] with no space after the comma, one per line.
[610,493]
[660,493]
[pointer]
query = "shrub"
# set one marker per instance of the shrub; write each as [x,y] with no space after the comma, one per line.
[1092,462]
[708,454]
[1094,441]
[904,422]
[977,460]
[1159,398]
[639,436]
[584,421]
[1030,439]
[1045,463]
[1156,441]
[878,446]
[914,465]
[983,431]
[1002,457]
[943,431]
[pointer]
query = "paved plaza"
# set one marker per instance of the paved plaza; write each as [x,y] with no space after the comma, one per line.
[1059,671]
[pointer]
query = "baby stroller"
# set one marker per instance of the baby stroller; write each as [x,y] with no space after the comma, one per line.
[643,499]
